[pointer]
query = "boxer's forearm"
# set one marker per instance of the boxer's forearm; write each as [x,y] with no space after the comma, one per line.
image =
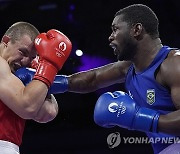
[100,77]
[170,123]
[82,82]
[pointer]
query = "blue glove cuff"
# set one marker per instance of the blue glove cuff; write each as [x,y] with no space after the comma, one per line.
[155,124]
[146,120]
[60,85]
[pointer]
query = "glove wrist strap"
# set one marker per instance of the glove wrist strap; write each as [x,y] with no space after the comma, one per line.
[46,73]
[146,120]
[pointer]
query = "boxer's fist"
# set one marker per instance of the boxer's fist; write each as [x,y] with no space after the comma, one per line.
[53,48]
[60,84]
[119,109]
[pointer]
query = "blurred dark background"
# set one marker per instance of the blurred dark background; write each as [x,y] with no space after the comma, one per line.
[88,25]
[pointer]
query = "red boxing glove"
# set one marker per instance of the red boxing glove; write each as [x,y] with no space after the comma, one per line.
[35,63]
[53,48]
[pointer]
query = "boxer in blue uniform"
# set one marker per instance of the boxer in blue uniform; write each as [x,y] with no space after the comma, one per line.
[151,74]
[147,92]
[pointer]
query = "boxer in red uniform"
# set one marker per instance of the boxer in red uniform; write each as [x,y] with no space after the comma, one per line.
[18,102]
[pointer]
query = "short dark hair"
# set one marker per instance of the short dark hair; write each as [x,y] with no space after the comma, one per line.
[139,13]
[19,29]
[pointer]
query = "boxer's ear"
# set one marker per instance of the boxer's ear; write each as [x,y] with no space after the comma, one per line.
[5,39]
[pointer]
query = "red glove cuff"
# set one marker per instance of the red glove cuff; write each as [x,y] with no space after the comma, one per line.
[35,63]
[46,73]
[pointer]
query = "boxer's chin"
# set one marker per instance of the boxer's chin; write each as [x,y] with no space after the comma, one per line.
[13,69]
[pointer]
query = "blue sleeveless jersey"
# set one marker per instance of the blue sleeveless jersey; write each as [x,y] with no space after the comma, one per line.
[147,92]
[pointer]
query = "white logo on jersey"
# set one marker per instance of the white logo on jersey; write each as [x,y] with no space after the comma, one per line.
[150,94]
[38,40]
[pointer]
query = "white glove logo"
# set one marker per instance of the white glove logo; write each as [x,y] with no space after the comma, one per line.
[113,107]
[37,41]
[62,46]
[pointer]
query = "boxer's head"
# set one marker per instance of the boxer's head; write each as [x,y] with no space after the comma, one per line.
[18,45]
[129,27]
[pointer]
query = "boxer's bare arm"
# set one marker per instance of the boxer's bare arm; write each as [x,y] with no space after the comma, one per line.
[24,101]
[169,76]
[91,80]
[48,110]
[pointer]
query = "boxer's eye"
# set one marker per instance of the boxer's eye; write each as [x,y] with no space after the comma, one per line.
[23,52]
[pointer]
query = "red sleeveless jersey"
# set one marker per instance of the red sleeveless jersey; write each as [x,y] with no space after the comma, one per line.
[11,125]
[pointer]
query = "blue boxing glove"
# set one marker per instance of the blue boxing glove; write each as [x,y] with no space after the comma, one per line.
[60,84]
[119,109]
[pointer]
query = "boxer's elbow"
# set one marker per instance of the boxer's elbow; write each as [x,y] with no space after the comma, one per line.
[48,111]
[41,111]
[46,116]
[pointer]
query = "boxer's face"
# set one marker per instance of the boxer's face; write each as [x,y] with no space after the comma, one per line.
[121,41]
[19,54]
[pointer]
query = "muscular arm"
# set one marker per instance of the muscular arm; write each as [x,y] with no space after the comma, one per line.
[170,75]
[91,80]
[48,110]
[24,101]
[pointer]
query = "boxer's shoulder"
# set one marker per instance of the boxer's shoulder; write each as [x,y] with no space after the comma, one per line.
[4,67]
[169,65]
[168,72]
